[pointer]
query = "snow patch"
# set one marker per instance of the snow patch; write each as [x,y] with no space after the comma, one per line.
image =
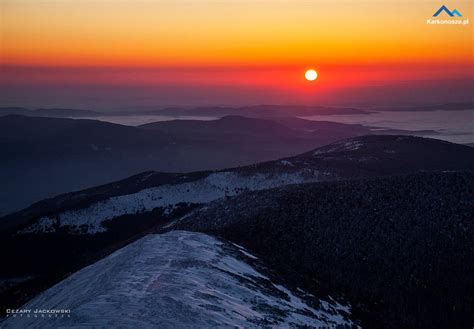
[44,224]
[342,146]
[243,251]
[352,145]
[287,163]
[177,280]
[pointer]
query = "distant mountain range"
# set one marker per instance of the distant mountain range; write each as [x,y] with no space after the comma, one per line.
[260,111]
[43,157]
[52,112]
[218,112]
[353,211]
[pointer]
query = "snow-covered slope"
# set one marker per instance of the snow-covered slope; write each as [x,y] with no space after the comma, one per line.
[212,187]
[178,280]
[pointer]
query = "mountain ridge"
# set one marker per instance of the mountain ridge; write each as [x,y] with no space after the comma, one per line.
[359,157]
[399,247]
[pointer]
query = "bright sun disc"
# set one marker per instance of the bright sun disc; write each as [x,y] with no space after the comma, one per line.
[311,75]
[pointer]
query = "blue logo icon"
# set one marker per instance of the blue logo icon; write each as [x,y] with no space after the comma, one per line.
[449,12]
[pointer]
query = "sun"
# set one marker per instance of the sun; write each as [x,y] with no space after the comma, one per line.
[311,75]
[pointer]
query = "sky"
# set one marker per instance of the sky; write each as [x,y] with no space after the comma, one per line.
[109,54]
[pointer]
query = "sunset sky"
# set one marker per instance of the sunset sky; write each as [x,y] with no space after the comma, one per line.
[187,51]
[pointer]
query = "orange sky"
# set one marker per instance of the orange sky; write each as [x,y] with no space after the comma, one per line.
[233,42]
[177,32]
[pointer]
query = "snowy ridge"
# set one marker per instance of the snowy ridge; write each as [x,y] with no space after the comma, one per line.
[178,280]
[351,144]
[214,186]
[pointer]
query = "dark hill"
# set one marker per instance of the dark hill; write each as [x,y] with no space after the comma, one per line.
[251,127]
[255,127]
[401,247]
[387,155]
